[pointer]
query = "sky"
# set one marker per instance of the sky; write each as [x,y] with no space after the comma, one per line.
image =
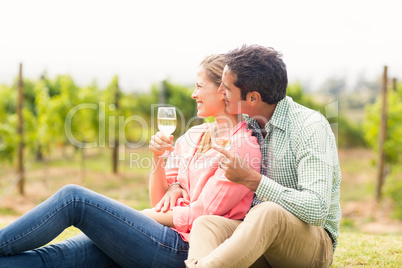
[147,41]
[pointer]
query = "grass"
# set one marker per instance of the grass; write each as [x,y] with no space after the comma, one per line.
[358,175]
[130,185]
[356,248]
[67,233]
[8,211]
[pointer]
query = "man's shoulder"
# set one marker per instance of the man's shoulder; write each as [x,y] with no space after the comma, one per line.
[302,115]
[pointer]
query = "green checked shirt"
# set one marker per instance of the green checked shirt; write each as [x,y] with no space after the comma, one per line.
[300,165]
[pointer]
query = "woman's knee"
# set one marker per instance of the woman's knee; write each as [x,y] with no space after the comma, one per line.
[71,190]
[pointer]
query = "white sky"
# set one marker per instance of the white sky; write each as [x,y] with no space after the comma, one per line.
[145,41]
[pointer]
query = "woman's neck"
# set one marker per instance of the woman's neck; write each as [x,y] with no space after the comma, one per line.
[231,119]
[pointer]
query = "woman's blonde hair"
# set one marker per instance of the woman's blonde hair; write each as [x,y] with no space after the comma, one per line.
[213,66]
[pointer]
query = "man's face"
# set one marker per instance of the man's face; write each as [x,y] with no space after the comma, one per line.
[231,93]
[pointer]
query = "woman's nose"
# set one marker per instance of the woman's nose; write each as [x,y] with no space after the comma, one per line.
[221,89]
[194,94]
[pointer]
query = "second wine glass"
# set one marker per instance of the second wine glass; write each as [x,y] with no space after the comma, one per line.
[220,135]
[166,122]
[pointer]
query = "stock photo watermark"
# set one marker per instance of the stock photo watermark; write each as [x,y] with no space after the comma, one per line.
[116,128]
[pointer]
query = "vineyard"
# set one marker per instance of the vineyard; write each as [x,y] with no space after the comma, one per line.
[98,138]
[57,114]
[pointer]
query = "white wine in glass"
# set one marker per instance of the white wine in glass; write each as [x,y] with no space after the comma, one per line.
[167,125]
[166,122]
[220,135]
[222,142]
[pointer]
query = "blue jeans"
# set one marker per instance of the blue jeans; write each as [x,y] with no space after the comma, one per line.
[114,235]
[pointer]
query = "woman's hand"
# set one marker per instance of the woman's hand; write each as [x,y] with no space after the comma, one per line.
[160,143]
[169,200]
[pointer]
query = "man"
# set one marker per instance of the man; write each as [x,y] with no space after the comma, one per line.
[295,214]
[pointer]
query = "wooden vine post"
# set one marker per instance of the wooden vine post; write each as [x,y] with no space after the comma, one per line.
[20,152]
[382,136]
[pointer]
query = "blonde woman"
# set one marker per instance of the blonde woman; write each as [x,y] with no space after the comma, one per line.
[115,235]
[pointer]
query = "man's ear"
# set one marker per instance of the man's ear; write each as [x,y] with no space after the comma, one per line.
[254,97]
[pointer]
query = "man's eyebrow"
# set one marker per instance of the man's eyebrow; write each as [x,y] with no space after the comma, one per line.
[225,86]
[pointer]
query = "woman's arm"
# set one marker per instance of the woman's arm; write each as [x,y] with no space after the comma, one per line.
[157,182]
[165,218]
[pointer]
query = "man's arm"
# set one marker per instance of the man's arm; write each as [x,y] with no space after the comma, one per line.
[310,201]
[157,179]
[315,160]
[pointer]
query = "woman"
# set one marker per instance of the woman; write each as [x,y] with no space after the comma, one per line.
[116,235]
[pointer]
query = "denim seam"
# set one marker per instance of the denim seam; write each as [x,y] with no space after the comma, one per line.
[132,226]
[35,228]
[93,205]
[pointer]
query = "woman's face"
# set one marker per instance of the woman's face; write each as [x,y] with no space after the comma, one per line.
[209,101]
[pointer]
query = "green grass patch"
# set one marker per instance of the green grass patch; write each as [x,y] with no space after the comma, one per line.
[356,191]
[358,165]
[358,175]
[348,224]
[357,249]
[67,233]
[6,211]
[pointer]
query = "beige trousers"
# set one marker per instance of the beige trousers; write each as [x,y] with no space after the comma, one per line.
[269,236]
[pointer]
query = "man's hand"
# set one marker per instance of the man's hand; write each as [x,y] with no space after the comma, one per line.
[238,170]
[169,200]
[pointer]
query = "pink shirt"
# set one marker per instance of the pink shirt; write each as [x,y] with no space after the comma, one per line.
[210,192]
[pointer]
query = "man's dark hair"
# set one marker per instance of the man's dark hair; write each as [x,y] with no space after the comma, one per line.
[261,69]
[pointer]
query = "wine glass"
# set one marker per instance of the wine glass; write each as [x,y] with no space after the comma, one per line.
[166,122]
[220,135]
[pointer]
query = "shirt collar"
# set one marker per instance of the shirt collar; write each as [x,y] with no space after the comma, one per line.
[278,119]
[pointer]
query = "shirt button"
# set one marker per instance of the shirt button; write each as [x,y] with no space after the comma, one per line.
[265,199]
